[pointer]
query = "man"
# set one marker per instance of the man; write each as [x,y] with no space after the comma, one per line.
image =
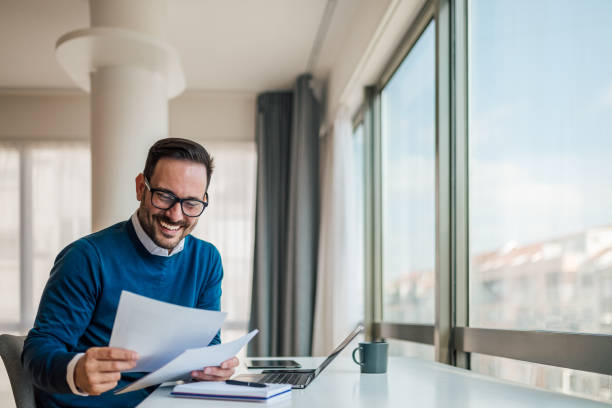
[151,254]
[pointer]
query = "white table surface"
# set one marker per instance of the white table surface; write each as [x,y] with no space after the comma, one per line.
[409,382]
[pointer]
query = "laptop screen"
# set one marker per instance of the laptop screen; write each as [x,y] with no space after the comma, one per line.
[338,349]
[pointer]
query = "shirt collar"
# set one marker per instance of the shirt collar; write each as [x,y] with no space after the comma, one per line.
[148,243]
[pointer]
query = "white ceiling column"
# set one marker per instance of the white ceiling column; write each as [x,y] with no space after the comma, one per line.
[131,72]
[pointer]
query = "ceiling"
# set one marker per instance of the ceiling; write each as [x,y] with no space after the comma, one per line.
[225,45]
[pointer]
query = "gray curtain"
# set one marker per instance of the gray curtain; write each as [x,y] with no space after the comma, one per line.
[287,221]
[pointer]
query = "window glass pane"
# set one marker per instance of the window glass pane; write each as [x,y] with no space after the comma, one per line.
[61,204]
[9,235]
[228,223]
[573,382]
[408,186]
[410,349]
[540,114]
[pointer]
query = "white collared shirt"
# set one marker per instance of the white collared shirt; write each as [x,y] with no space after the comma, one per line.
[148,242]
[153,249]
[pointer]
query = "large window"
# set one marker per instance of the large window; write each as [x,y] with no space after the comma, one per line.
[408,186]
[9,237]
[61,204]
[46,197]
[492,138]
[228,223]
[46,203]
[540,120]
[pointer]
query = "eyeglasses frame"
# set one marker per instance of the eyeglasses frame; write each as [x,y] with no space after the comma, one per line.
[176,199]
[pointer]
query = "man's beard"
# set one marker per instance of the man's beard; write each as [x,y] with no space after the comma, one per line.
[149,227]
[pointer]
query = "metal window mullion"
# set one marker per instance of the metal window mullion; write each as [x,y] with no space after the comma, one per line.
[460,234]
[358,117]
[378,206]
[26,245]
[416,333]
[577,351]
[443,318]
[372,297]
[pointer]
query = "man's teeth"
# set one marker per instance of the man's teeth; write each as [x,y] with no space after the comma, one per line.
[168,226]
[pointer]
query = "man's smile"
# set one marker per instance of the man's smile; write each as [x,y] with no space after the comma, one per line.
[171,227]
[169,230]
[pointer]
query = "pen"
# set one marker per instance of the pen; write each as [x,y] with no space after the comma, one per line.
[245,383]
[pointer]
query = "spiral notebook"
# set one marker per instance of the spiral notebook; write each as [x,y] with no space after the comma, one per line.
[222,391]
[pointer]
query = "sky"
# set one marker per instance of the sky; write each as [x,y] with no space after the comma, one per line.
[540,130]
[540,119]
[408,147]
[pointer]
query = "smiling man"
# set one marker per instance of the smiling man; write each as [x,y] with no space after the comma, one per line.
[151,254]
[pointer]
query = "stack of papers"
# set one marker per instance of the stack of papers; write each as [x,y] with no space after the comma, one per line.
[171,340]
[190,360]
[160,331]
[223,391]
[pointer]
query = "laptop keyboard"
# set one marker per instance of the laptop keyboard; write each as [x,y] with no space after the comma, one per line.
[285,378]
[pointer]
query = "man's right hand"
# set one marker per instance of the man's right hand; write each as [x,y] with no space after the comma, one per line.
[99,369]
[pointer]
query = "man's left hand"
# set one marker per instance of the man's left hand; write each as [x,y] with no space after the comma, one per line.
[220,373]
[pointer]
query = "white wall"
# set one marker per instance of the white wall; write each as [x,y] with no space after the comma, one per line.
[214,116]
[365,22]
[44,115]
[376,31]
[202,116]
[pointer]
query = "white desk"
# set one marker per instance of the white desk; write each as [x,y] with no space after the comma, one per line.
[409,382]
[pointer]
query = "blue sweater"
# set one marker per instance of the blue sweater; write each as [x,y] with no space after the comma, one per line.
[79,303]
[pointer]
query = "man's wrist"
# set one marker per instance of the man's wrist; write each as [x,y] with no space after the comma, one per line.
[70,370]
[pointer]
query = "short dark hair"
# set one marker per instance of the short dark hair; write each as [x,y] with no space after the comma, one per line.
[181,149]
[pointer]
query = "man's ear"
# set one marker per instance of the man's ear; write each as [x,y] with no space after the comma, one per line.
[140,186]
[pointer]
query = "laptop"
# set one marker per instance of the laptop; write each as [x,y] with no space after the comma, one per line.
[298,378]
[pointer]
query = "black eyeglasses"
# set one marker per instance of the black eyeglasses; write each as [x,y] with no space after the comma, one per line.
[164,200]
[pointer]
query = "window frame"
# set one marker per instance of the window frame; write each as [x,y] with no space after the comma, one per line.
[419,333]
[451,334]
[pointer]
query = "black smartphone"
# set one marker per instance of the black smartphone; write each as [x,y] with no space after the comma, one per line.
[272,364]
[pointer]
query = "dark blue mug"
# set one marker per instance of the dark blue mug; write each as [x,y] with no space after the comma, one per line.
[372,357]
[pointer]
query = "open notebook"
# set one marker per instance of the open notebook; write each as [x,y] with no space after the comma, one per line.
[223,391]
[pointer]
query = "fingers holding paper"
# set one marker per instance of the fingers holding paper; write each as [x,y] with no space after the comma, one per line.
[221,372]
[99,369]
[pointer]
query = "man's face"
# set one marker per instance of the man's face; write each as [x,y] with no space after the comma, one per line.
[184,179]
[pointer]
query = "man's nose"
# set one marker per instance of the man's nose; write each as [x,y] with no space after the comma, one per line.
[175,213]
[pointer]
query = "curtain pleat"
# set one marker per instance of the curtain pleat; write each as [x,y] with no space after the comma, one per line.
[287,218]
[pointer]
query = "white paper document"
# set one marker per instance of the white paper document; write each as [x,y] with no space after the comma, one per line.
[190,360]
[160,331]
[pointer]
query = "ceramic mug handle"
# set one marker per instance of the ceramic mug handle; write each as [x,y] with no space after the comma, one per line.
[354,359]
